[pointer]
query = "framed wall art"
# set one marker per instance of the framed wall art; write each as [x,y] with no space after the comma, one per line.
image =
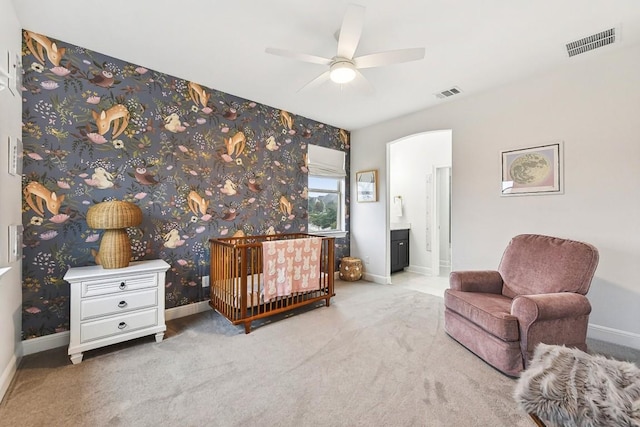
[532,171]
[367,186]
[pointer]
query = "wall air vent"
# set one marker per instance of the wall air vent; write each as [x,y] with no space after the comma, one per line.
[592,42]
[449,92]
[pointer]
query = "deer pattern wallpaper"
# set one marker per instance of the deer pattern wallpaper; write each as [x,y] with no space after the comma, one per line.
[199,163]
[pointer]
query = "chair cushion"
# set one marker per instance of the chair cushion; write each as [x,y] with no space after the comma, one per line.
[490,312]
[535,264]
[505,356]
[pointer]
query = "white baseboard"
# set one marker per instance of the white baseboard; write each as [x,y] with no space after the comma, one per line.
[61,339]
[614,336]
[383,280]
[186,310]
[47,342]
[425,271]
[7,375]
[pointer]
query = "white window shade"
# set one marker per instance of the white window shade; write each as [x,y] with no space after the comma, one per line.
[326,162]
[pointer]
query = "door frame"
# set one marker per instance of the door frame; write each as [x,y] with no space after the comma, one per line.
[436,217]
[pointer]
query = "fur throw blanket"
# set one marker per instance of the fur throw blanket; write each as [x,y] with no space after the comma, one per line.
[570,388]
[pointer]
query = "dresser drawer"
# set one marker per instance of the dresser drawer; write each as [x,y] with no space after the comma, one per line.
[117,325]
[119,303]
[91,288]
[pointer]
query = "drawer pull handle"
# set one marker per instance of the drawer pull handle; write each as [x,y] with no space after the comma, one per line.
[123,285]
[122,325]
[122,304]
[401,244]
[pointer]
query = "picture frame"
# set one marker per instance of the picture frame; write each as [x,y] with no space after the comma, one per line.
[533,170]
[367,186]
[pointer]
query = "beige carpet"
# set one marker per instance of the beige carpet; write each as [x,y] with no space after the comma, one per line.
[377,357]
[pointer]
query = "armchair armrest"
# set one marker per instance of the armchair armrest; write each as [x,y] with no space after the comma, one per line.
[487,281]
[531,308]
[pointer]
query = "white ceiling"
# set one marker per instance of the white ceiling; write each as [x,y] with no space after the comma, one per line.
[473,44]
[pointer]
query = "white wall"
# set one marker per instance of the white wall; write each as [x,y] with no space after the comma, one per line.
[411,160]
[10,208]
[592,104]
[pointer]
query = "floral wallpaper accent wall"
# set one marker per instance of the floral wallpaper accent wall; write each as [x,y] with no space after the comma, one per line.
[198,162]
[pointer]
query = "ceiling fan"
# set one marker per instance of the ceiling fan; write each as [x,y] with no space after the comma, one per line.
[344,67]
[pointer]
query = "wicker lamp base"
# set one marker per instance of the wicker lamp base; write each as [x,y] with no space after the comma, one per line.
[115,249]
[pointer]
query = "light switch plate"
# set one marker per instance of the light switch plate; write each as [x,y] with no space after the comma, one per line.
[15,156]
[14,68]
[15,242]
[4,76]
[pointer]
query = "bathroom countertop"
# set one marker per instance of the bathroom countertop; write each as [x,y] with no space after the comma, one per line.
[400,226]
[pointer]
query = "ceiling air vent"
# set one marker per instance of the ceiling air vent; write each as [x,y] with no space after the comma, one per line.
[592,42]
[449,92]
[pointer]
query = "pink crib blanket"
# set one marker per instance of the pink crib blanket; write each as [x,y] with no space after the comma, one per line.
[290,266]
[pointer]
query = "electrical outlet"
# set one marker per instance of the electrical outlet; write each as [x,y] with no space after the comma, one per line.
[366,260]
[205,281]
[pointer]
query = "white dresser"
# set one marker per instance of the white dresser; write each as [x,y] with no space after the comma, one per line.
[114,305]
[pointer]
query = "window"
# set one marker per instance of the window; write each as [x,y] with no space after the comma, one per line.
[326,190]
[325,204]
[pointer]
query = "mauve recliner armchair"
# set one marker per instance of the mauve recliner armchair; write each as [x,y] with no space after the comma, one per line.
[536,295]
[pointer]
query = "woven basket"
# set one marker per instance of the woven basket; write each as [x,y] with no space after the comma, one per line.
[350,269]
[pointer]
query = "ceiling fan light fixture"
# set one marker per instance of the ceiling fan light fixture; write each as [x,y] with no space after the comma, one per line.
[342,72]
[346,66]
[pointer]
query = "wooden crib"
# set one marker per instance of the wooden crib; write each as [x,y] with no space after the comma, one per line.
[237,279]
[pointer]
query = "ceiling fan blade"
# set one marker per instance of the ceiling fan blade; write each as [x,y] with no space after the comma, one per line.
[350,31]
[299,56]
[315,82]
[390,57]
[362,85]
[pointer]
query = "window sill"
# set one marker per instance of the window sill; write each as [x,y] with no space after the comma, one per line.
[336,234]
